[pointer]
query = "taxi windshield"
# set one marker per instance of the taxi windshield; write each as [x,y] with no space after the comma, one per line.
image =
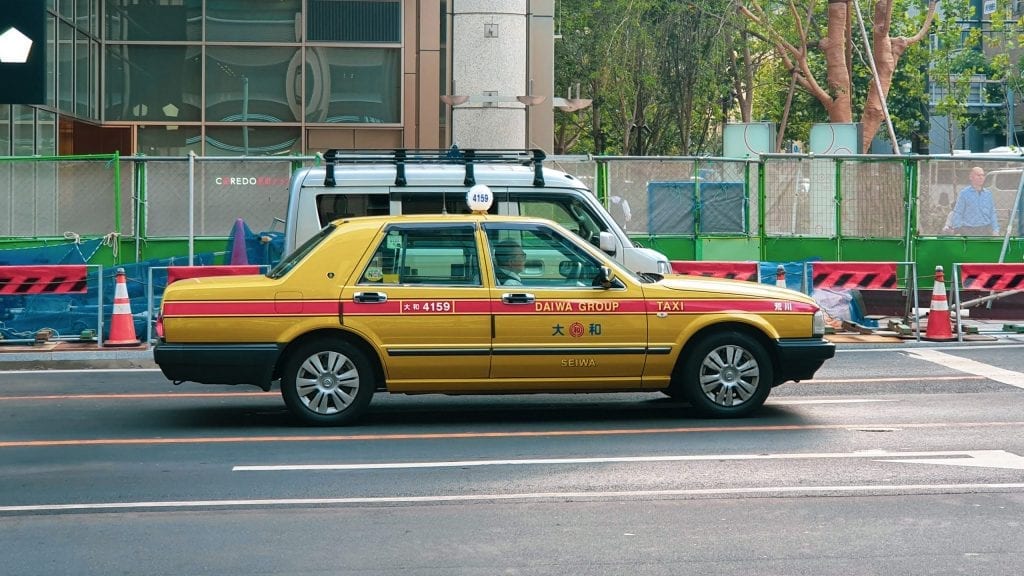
[289,261]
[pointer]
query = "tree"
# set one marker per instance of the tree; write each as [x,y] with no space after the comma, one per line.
[836,47]
[660,74]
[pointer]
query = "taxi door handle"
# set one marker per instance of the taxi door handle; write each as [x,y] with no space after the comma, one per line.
[370,297]
[517,298]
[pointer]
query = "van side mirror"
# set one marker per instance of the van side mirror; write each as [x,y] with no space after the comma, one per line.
[607,242]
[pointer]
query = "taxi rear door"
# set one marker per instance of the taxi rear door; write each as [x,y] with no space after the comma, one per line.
[554,330]
[421,299]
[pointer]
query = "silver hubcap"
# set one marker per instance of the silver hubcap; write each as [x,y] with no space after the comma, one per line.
[729,375]
[327,382]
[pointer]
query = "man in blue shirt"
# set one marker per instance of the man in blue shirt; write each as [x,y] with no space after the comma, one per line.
[975,212]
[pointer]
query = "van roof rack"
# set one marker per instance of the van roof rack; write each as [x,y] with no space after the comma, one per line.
[454,155]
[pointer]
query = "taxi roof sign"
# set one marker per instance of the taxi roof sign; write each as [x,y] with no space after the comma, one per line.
[479,198]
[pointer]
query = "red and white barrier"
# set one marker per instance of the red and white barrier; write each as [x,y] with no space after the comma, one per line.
[988,277]
[45,280]
[864,276]
[718,269]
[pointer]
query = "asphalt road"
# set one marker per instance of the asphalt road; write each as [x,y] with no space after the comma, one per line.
[894,460]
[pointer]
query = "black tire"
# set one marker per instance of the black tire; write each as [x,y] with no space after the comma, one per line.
[728,375]
[327,382]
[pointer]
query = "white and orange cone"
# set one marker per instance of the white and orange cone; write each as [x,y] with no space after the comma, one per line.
[780,276]
[122,326]
[939,327]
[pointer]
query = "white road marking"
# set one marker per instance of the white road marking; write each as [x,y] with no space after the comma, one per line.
[983,459]
[632,495]
[965,455]
[827,401]
[913,347]
[969,366]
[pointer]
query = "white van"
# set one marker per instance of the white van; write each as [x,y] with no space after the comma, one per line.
[436,181]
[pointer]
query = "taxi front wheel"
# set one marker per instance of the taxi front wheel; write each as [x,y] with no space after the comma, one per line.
[728,375]
[327,382]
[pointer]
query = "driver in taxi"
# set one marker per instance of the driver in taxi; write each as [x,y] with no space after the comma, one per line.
[510,260]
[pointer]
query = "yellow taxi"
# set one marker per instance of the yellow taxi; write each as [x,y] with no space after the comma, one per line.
[481,304]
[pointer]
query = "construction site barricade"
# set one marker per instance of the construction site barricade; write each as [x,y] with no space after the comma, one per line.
[864,276]
[997,279]
[718,269]
[175,273]
[34,283]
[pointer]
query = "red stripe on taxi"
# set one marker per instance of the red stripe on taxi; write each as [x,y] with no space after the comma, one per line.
[708,306]
[253,308]
[451,306]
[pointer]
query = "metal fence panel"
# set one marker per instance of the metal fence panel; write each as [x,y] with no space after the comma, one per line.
[254,190]
[86,199]
[800,197]
[873,203]
[666,194]
[583,168]
[166,184]
[942,179]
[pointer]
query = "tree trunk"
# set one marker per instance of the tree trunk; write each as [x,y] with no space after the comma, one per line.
[834,46]
[887,52]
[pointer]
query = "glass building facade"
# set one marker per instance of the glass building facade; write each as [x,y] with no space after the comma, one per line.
[235,77]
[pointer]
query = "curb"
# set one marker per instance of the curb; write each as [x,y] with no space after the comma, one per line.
[23,357]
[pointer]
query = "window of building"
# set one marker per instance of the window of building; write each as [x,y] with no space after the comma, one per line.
[5,130]
[354,21]
[249,84]
[241,21]
[353,85]
[169,140]
[252,140]
[131,20]
[24,133]
[65,66]
[154,83]
[83,75]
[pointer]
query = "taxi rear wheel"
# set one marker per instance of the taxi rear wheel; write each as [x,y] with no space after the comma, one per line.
[728,375]
[327,382]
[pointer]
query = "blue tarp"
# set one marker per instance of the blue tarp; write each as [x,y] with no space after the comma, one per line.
[21,316]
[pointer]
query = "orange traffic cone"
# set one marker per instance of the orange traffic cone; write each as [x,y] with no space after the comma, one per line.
[122,327]
[780,276]
[938,313]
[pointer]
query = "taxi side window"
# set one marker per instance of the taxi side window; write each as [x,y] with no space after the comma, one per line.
[425,255]
[538,256]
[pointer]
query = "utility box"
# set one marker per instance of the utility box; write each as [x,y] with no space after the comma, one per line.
[748,139]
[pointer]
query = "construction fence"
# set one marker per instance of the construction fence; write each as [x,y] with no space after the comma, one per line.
[149,213]
[776,207]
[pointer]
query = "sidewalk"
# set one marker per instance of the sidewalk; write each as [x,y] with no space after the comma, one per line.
[71,355]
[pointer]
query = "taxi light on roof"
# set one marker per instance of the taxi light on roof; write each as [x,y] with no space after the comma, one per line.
[479,198]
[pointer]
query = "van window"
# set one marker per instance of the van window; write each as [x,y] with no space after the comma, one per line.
[568,211]
[434,202]
[333,206]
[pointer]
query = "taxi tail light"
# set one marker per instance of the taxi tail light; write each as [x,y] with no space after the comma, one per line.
[818,324]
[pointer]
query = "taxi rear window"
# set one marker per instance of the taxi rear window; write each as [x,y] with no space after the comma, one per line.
[444,256]
[289,261]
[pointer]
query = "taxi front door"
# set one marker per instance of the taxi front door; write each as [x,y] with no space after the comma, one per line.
[554,330]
